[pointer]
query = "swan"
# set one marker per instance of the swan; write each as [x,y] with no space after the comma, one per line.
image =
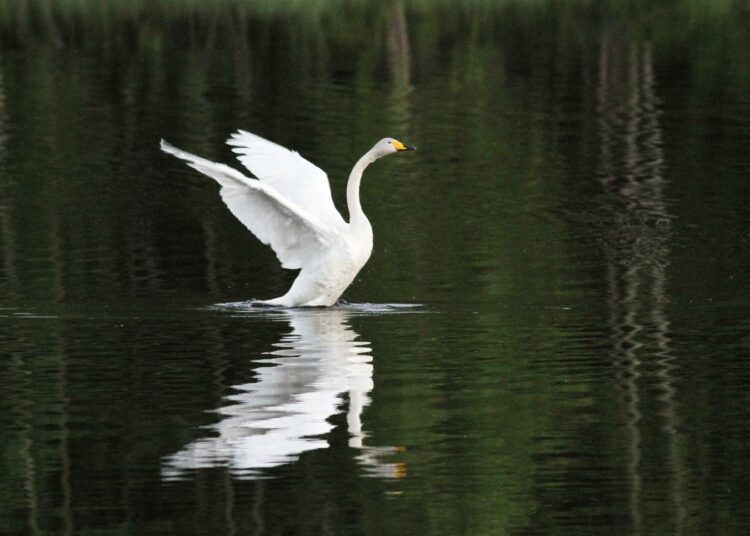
[289,207]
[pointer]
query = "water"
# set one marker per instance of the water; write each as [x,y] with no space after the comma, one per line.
[551,337]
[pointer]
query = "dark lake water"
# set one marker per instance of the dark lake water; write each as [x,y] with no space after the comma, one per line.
[552,335]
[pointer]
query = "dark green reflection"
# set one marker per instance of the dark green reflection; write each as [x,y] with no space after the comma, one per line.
[575,223]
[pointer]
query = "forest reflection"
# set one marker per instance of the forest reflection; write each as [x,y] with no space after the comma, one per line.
[562,179]
[202,70]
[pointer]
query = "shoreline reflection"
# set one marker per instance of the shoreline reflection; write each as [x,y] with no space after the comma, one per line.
[300,386]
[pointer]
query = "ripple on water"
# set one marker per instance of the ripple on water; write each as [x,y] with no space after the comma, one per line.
[259,307]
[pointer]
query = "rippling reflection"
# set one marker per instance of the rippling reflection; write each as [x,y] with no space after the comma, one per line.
[284,413]
[397,38]
[637,249]
[2,117]
[6,264]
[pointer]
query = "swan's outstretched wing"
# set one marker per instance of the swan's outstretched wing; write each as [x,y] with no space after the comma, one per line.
[296,236]
[288,173]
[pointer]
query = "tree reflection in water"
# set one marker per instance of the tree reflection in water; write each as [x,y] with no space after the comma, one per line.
[636,244]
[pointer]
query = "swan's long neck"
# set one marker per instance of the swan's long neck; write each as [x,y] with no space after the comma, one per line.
[356,215]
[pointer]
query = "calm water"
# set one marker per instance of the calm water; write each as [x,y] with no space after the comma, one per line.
[570,246]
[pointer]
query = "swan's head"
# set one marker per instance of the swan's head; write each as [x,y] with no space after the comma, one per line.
[389,146]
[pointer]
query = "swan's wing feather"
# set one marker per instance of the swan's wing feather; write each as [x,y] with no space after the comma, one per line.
[297,179]
[296,236]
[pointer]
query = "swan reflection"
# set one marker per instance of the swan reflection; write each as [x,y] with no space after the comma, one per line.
[300,386]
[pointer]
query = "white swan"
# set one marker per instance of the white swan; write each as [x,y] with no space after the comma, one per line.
[289,207]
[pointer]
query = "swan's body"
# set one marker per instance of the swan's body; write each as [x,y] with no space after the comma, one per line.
[289,207]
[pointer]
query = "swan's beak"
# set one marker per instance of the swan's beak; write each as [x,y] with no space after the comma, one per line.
[401,147]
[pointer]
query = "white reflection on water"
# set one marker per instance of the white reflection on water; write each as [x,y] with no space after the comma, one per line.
[273,420]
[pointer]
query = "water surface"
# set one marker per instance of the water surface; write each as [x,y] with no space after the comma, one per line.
[551,336]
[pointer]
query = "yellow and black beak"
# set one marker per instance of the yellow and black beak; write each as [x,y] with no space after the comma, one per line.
[401,147]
